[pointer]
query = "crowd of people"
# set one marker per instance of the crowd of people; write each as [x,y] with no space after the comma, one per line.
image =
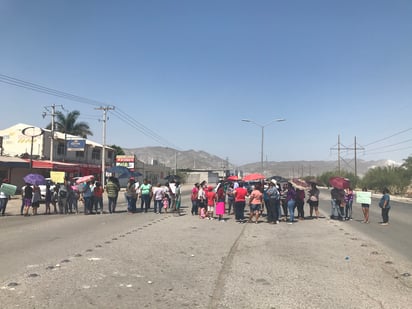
[68,197]
[280,202]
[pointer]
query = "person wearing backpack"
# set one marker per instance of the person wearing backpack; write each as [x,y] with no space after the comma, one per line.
[273,204]
[62,198]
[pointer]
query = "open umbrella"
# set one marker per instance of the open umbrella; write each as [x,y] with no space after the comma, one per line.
[254,176]
[232,178]
[279,179]
[85,179]
[172,178]
[136,174]
[299,183]
[339,182]
[119,171]
[34,179]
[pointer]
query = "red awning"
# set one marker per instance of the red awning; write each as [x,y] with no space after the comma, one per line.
[53,165]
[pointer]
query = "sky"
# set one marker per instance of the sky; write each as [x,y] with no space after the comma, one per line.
[183,74]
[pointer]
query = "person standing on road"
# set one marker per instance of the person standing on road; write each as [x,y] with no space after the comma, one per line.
[220,204]
[62,198]
[300,203]
[4,198]
[211,200]
[255,203]
[348,203]
[158,196]
[313,200]
[98,197]
[273,203]
[193,197]
[131,196]
[87,198]
[337,200]
[48,199]
[145,195]
[112,190]
[35,204]
[365,209]
[240,202]
[385,205]
[178,193]
[201,202]
[291,202]
[230,199]
[27,197]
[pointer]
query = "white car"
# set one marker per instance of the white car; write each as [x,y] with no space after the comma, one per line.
[43,188]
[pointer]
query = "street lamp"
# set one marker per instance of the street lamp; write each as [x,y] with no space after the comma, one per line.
[262,127]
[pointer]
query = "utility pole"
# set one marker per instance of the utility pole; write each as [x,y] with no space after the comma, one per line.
[339,154]
[51,113]
[104,120]
[355,148]
[356,164]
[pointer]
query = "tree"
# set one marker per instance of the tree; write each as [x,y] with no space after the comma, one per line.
[394,178]
[407,165]
[118,151]
[68,124]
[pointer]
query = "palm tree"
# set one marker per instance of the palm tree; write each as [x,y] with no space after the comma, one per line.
[68,124]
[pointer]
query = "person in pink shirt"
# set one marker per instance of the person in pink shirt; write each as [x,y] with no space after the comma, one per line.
[255,203]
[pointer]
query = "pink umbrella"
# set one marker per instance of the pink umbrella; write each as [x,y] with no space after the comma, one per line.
[254,176]
[232,178]
[339,182]
[85,179]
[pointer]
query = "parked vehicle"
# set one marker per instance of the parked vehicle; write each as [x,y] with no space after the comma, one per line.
[43,188]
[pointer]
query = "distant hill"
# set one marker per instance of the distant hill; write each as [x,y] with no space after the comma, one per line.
[188,159]
[192,159]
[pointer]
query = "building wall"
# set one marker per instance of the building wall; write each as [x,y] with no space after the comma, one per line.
[16,143]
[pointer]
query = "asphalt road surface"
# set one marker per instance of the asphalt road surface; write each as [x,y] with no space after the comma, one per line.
[171,261]
[397,236]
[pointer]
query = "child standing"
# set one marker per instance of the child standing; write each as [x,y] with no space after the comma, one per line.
[165,202]
[211,200]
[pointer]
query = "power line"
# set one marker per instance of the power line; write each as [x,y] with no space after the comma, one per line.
[388,137]
[68,96]
[39,88]
[396,144]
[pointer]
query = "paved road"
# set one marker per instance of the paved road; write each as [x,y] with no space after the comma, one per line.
[169,261]
[396,236]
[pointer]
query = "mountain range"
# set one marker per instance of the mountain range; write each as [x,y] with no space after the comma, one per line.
[193,159]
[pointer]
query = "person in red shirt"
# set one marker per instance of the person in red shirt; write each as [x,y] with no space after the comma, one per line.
[211,200]
[98,197]
[240,202]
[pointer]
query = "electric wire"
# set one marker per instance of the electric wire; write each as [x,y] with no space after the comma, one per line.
[68,96]
[388,137]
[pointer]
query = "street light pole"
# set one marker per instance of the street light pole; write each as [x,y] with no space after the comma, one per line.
[262,127]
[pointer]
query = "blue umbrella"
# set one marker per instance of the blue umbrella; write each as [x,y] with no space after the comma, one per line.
[119,170]
[136,174]
[34,179]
